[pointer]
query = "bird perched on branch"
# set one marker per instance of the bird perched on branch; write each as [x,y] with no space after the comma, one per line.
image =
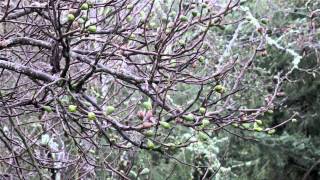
[55,58]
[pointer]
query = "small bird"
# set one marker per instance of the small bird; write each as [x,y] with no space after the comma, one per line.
[55,58]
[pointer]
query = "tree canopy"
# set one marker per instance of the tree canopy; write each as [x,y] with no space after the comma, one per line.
[148,89]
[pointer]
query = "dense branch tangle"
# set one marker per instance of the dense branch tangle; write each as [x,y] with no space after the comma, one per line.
[105,54]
